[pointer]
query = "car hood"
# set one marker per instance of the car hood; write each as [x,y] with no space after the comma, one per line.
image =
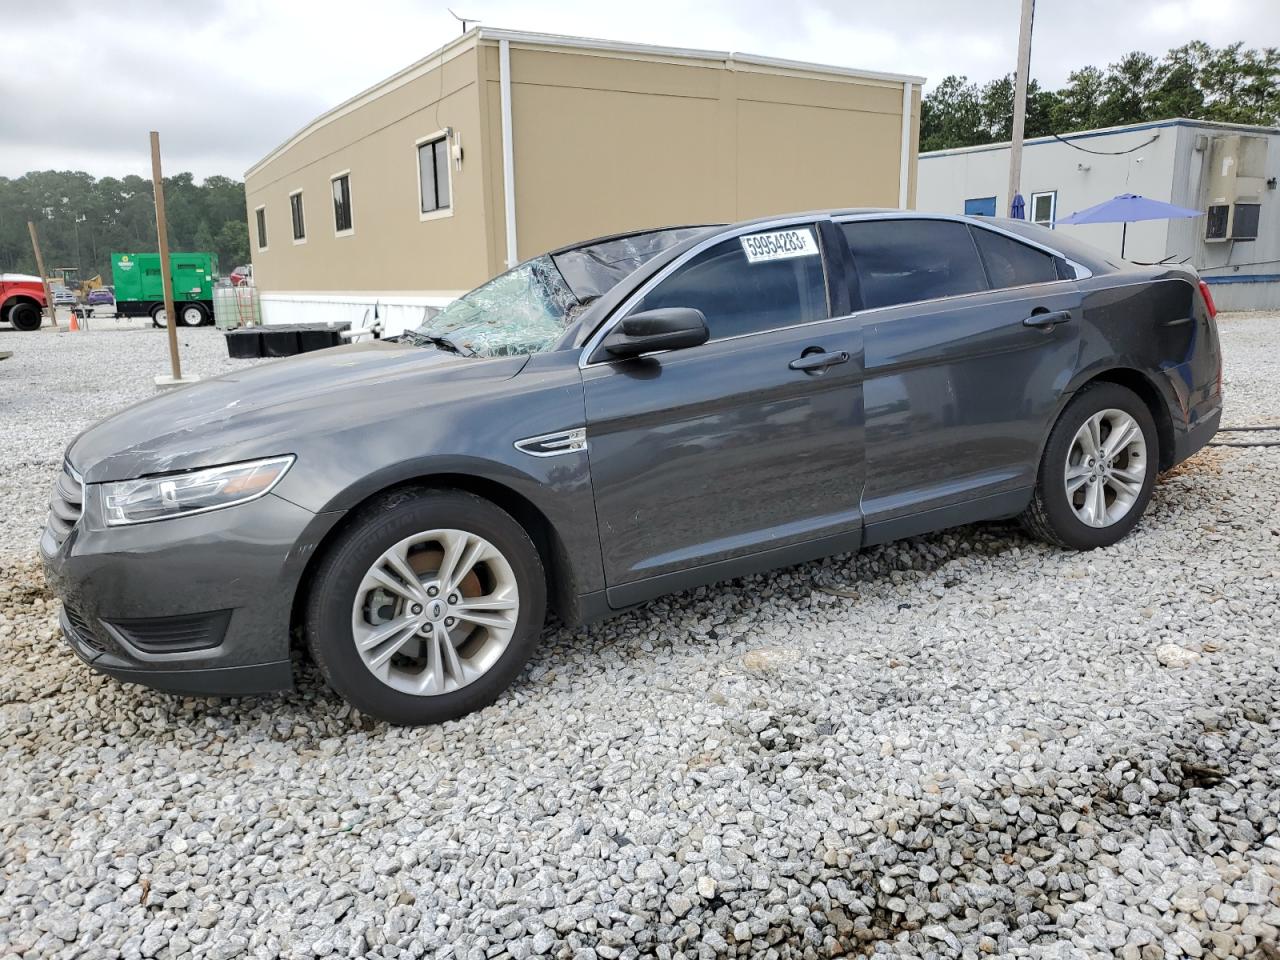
[261,410]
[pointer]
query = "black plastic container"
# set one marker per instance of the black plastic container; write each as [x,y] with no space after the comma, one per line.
[245,343]
[284,339]
[320,338]
[281,341]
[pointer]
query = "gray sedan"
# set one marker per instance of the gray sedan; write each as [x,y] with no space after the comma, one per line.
[617,420]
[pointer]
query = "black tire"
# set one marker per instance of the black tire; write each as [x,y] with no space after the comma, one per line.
[157,311]
[1050,516]
[25,317]
[375,529]
[187,313]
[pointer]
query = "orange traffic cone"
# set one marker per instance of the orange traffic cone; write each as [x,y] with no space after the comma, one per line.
[75,325]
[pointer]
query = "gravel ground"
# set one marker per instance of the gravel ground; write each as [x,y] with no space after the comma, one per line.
[962,744]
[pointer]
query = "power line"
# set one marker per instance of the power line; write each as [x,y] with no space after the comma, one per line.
[1106,153]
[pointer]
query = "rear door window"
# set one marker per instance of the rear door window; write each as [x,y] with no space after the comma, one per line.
[906,261]
[1010,263]
[749,284]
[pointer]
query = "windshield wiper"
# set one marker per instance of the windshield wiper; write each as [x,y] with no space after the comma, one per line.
[440,343]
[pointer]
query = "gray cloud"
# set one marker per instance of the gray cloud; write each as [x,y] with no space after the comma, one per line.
[225,81]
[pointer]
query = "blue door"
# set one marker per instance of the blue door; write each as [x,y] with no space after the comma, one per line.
[980,207]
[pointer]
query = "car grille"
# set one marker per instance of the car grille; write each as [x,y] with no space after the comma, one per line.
[82,630]
[181,634]
[66,504]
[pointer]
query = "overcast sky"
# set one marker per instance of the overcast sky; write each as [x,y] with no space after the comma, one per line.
[225,81]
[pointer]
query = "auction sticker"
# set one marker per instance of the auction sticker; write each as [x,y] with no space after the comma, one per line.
[780,245]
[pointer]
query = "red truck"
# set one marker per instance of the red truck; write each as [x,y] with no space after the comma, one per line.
[21,301]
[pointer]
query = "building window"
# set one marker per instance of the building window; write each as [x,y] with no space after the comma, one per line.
[1215,224]
[980,207]
[341,203]
[433,175]
[1244,225]
[1044,207]
[299,220]
[260,215]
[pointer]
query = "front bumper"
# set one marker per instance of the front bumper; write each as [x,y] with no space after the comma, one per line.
[194,605]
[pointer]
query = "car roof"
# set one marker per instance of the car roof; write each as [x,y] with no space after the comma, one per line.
[1051,241]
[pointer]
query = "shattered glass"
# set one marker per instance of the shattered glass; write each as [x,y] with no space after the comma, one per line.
[527,309]
[592,271]
[524,310]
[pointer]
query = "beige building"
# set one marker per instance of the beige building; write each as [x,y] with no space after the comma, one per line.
[502,145]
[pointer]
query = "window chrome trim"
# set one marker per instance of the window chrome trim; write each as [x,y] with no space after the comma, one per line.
[1082,272]
[554,444]
[640,292]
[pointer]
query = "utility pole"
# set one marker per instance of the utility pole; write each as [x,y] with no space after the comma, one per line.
[44,279]
[166,277]
[79,259]
[1020,100]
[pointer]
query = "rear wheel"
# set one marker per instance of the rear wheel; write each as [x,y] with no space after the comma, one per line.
[159,316]
[25,316]
[192,314]
[1098,470]
[427,607]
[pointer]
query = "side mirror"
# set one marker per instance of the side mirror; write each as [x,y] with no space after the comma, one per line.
[668,328]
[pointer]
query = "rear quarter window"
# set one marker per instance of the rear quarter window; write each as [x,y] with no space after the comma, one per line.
[1010,263]
[906,261]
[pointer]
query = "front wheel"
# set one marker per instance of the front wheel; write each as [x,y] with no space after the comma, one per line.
[1098,470]
[427,607]
[25,316]
[159,316]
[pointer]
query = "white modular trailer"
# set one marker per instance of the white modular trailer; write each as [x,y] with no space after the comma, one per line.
[1227,170]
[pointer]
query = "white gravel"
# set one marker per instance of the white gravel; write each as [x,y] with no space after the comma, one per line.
[961,744]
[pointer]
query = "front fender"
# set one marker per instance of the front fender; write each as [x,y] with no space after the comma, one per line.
[470,440]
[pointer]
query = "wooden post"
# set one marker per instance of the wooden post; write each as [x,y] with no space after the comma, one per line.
[48,294]
[166,277]
[1020,105]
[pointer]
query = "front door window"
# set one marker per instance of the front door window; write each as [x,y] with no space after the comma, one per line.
[761,281]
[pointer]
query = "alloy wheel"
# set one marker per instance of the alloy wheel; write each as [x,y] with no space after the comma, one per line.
[435,612]
[1106,468]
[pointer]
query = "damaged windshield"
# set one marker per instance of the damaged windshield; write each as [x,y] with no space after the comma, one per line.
[593,270]
[527,309]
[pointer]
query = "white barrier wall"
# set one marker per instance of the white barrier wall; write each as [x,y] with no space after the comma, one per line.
[397,312]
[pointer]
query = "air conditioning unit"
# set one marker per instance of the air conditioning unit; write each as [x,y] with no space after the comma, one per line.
[1236,179]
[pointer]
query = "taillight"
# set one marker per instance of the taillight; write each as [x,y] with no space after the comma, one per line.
[1208,299]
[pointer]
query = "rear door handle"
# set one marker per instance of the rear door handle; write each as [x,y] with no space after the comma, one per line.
[1047,319]
[817,362]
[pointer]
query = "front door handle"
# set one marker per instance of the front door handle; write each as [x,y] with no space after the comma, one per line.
[817,362]
[1046,319]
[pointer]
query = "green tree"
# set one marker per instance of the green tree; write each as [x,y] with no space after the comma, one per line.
[116,215]
[1232,84]
[1128,90]
[1079,101]
[950,115]
[232,245]
[203,240]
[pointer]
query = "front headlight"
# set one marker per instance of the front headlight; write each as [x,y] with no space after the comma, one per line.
[179,494]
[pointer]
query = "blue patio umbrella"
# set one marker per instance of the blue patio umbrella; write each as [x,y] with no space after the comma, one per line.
[1018,209]
[1129,208]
